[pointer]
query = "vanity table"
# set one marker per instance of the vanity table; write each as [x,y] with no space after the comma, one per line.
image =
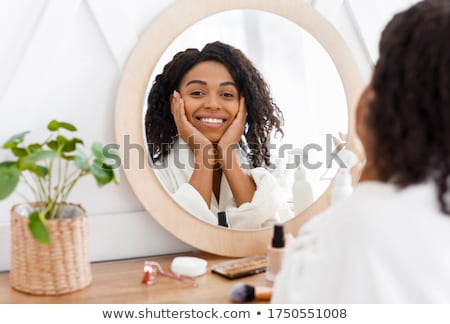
[119,282]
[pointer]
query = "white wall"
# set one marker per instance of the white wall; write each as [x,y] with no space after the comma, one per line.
[62,59]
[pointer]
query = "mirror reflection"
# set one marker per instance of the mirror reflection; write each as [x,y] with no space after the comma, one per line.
[304,84]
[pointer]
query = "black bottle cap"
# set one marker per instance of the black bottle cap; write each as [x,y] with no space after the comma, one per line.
[278,236]
[222,216]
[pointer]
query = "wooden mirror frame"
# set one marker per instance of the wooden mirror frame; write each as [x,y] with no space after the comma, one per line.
[129,119]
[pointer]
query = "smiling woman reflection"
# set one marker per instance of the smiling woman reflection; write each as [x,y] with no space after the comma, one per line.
[208,125]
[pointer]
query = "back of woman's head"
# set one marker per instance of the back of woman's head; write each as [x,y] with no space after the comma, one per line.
[409,115]
[263,115]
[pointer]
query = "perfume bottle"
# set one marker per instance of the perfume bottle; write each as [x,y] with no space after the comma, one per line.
[343,187]
[302,195]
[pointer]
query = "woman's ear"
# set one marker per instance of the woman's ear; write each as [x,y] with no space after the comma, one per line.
[365,133]
[362,111]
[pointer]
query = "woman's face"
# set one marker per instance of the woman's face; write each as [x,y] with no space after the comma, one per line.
[211,98]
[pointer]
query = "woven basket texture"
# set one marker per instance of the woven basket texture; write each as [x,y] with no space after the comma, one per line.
[61,267]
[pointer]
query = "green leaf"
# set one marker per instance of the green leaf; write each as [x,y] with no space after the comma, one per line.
[8,164]
[81,161]
[78,140]
[64,144]
[15,140]
[34,147]
[38,227]
[68,157]
[39,156]
[53,145]
[19,152]
[116,175]
[71,145]
[102,175]
[108,160]
[55,125]
[39,170]
[9,178]
[97,150]
[67,126]
[61,140]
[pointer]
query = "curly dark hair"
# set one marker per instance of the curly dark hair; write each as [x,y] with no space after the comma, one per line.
[263,115]
[409,115]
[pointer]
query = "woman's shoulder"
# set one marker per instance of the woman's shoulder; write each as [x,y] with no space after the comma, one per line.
[376,208]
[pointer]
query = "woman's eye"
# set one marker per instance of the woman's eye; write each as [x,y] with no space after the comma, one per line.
[196,93]
[228,95]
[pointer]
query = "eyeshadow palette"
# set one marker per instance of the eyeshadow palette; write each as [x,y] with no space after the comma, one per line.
[242,267]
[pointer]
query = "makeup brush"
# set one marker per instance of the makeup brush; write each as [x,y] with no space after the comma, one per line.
[244,293]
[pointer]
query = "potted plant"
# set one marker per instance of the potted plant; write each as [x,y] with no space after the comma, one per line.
[49,235]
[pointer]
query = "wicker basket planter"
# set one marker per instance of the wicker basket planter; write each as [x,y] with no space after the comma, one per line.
[61,267]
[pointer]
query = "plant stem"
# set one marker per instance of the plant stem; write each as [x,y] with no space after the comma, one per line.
[61,180]
[59,173]
[39,185]
[74,172]
[67,191]
[49,181]
[30,186]
[24,197]
[57,191]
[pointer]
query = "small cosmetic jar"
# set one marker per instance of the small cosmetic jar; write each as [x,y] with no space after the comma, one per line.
[188,266]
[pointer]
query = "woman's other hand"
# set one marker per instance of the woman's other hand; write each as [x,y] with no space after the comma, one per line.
[232,136]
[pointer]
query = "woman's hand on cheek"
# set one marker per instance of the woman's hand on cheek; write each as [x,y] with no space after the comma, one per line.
[186,130]
[233,134]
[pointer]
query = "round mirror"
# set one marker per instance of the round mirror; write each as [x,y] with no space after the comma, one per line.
[298,72]
[317,100]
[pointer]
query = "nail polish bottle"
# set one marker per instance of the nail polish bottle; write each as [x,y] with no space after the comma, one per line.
[275,252]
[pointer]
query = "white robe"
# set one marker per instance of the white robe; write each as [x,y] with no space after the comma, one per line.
[267,207]
[381,245]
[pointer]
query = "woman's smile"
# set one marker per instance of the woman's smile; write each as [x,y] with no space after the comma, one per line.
[212,121]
